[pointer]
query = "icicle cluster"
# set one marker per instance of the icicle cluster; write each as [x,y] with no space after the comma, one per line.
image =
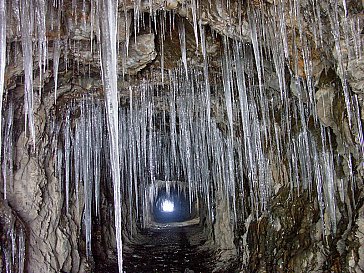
[12,241]
[14,253]
[166,139]
[108,13]
[182,133]
[79,160]
[2,61]
[7,151]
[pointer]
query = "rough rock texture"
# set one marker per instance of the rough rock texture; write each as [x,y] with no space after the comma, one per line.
[38,199]
[356,252]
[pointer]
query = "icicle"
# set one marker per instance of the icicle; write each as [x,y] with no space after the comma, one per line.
[2,67]
[108,26]
[245,112]
[182,41]
[59,168]
[92,23]
[137,7]
[194,18]
[56,56]
[255,38]
[227,80]
[27,27]
[282,26]
[7,168]
[40,17]
[206,72]
[132,155]
[87,176]
[335,30]
[77,161]
[360,137]
[21,251]
[97,149]
[162,37]
[13,243]
[256,47]
[173,125]
[67,159]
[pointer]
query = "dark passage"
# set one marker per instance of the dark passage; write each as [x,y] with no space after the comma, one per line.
[170,250]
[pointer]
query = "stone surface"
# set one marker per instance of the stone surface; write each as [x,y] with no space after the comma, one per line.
[356,75]
[141,52]
[52,242]
[325,106]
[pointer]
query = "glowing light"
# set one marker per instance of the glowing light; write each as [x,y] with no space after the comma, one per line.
[167,206]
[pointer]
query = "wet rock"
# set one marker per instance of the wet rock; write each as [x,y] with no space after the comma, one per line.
[355,258]
[356,75]
[141,52]
[172,4]
[78,23]
[325,105]
[52,244]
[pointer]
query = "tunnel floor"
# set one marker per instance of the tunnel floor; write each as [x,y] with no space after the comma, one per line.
[172,250]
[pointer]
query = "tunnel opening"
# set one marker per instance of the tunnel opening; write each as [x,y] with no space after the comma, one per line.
[173,206]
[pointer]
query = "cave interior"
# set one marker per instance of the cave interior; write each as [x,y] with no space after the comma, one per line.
[181,136]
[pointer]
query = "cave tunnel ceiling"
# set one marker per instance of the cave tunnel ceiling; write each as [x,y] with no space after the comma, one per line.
[181,136]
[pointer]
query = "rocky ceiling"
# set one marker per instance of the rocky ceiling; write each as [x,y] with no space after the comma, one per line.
[251,111]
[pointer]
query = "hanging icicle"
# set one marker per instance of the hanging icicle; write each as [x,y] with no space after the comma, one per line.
[107,12]
[27,31]
[2,69]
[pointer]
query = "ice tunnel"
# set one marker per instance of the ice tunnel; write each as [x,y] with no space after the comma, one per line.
[181,136]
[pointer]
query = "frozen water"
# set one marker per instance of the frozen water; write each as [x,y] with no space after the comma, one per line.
[2,67]
[27,28]
[214,131]
[108,13]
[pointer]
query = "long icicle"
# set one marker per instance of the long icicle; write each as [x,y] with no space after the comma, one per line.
[27,23]
[2,65]
[108,30]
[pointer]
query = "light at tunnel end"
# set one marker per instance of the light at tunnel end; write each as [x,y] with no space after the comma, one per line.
[167,206]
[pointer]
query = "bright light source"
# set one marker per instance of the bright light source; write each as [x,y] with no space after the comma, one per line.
[167,206]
